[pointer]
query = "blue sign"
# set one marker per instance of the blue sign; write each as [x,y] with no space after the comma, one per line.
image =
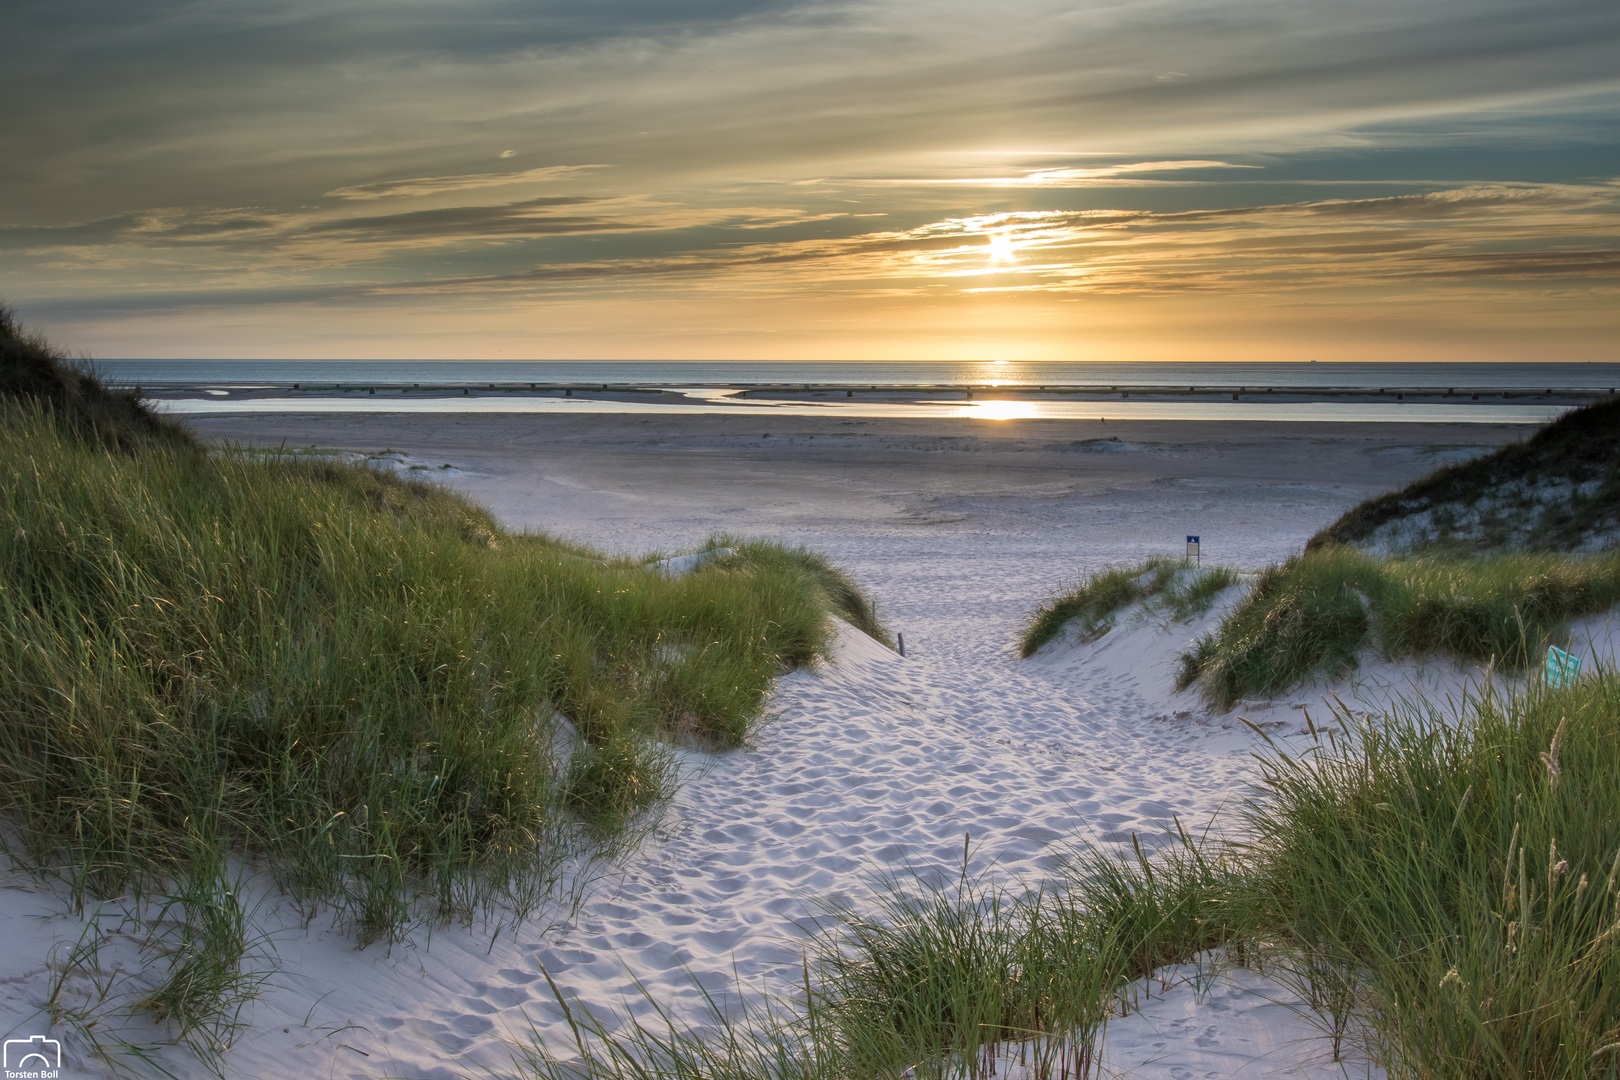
[1562,668]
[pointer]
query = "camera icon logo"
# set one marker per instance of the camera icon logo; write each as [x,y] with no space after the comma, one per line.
[33,1053]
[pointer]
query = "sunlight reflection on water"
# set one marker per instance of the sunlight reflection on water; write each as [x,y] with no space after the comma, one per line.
[720,402]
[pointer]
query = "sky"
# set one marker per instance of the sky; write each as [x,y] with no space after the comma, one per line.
[774,180]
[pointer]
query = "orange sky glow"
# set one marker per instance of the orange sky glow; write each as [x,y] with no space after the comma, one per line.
[732,179]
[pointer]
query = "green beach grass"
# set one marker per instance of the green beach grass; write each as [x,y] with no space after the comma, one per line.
[361,678]
[1558,490]
[1320,611]
[31,370]
[1458,873]
[1501,591]
[363,682]
[1170,587]
[219,660]
[942,979]
[1442,888]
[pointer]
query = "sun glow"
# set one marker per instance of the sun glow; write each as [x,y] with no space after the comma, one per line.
[1003,410]
[1001,247]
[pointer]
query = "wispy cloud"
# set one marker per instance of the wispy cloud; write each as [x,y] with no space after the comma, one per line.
[1508,232]
[440,185]
[336,240]
[1131,174]
[160,227]
[531,217]
[1460,202]
[1517,233]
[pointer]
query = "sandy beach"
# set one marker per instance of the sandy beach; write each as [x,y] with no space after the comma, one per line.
[1075,493]
[867,765]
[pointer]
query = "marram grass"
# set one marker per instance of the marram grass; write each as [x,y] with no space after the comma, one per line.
[1320,610]
[1443,887]
[1459,873]
[359,680]
[944,979]
[1178,590]
[1558,490]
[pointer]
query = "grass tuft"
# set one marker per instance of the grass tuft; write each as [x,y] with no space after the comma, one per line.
[1317,612]
[207,984]
[838,590]
[943,979]
[1459,869]
[32,371]
[1177,590]
[200,964]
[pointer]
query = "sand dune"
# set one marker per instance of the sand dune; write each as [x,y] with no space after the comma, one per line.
[869,763]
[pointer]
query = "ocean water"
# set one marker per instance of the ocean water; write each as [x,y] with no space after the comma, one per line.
[1000,409]
[1554,376]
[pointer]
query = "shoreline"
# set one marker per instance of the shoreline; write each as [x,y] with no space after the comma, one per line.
[473,430]
[983,404]
[699,390]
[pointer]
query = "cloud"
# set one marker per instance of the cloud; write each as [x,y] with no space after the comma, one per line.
[1154,148]
[1461,202]
[1519,265]
[107,230]
[1072,177]
[278,102]
[143,227]
[268,233]
[1480,232]
[532,217]
[439,185]
[1275,248]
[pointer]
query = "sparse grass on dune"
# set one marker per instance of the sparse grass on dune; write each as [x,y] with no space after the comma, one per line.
[1501,593]
[31,370]
[1556,491]
[357,678]
[1443,889]
[942,979]
[1317,612]
[1182,592]
[842,595]
[201,961]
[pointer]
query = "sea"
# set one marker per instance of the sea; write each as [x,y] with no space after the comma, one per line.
[1371,374]
[1317,391]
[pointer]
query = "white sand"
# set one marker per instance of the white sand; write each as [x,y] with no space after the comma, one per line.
[872,762]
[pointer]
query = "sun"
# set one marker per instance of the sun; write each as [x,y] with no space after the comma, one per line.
[1001,247]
